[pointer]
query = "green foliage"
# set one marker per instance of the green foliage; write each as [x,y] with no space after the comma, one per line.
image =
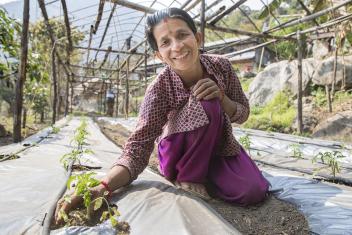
[319,97]
[79,140]
[83,185]
[272,6]
[245,83]
[277,115]
[55,129]
[329,158]
[9,29]
[296,151]
[246,142]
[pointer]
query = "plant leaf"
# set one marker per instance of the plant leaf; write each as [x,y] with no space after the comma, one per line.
[113,221]
[104,216]
[98,203]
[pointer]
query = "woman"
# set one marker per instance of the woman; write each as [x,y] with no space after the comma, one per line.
[190,107]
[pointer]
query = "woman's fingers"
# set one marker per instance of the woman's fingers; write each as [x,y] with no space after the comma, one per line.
[201,85]
[210,92]
[212,95]
[206,89]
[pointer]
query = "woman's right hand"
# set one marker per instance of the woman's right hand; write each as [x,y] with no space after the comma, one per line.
[74,201]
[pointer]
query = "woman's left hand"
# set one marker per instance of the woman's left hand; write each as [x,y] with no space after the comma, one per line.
[206,89]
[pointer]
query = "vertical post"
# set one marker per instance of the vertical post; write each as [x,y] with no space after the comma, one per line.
[128,43]
[328,97]
[117,87]
[71,99]
[145,65]
[17,112]
[202,23]
[53,74]
[299,93]
[67,93]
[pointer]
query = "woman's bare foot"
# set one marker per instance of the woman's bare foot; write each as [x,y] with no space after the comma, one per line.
[194,188]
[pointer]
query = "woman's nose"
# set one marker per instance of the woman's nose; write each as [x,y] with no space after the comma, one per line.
[177,45]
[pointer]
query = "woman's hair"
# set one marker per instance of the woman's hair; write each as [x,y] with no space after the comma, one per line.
[158,16]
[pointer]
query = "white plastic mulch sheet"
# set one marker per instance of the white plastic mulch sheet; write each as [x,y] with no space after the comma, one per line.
[150,205]
[326,206]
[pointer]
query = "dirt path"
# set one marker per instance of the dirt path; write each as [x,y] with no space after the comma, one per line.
[270,217]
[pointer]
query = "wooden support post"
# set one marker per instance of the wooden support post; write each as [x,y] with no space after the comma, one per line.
[299,93]
[335,70]
[128,43]
[202,23]
[54,82]
[21,76]
[117,88]
[328,98]
[145,65]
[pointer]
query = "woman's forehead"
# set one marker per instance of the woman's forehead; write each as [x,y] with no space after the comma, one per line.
[169,26]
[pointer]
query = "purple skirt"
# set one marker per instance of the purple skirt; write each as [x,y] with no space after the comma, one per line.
[190,157]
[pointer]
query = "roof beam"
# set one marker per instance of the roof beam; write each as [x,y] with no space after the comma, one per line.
[226,12]
[106,50]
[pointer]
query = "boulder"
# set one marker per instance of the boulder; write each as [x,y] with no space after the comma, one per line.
[320,49]
[325,71]
[278,77]
[337,127]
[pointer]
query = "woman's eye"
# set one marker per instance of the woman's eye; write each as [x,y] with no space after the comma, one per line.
[164,43]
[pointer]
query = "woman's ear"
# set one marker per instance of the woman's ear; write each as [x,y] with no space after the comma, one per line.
[199,38]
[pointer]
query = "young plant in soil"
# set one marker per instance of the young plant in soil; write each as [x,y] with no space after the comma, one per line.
[76,154]
[329,158]
[296,151]
[100,206]
[55,130]
[246,142]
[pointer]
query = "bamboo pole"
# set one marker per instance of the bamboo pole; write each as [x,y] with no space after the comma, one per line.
[117,88]
[128,43]
[106,50]
[202,25]
[328,98]
[299,93]
[229,10]
[21,76]
[54,81]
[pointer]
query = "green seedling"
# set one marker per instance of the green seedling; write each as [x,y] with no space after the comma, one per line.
[79,139]
[55,129]
[83,185]
[75,155]
[330,159]
[246,142]
[296,151]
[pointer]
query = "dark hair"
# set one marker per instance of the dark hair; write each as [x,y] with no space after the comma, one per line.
[158,16]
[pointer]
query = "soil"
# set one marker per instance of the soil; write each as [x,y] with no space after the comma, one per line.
[30,130]
[78,217]
[269,217]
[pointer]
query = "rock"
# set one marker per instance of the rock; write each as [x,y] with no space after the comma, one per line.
[325,71]
[3,131]
[278,77]
[320,49]
[337,127]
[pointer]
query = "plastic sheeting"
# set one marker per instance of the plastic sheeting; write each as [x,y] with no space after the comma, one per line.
[326,206]
[151,205]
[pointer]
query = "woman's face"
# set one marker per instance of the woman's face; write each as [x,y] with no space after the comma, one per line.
[177,45]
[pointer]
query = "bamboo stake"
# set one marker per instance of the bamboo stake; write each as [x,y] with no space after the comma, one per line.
[299,93]
[21,76]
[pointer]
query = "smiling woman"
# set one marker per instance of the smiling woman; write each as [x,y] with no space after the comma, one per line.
[189,107]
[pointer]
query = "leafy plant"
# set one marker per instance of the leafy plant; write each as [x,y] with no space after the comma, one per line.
[83,185]
[329,158]
[55,129]
[296,151]
[79,139]
[277,115]
[246,142]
